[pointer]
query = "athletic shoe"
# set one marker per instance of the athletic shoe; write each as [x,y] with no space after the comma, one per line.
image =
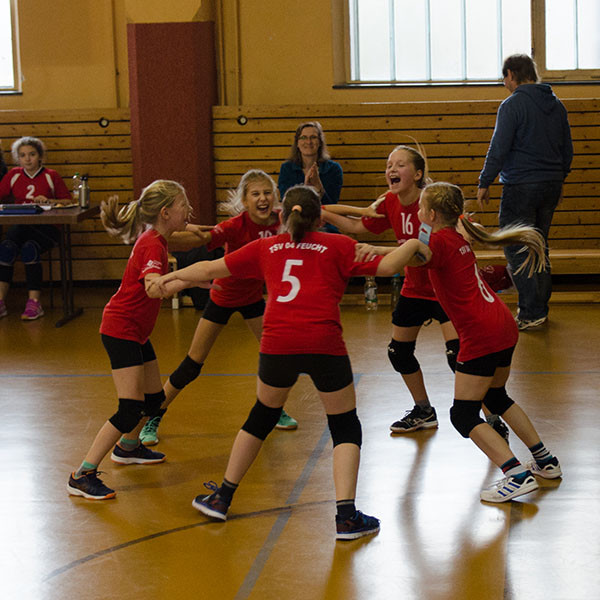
[212,505]
[33,310]
[549,470]
[417,418]
[357,526]
[148,435]
[286,422]
[90,486]
[509,488]
[138,456]
[3,311]
[498,426]
[523,324]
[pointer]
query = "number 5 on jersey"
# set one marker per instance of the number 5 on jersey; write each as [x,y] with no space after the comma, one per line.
[291,279]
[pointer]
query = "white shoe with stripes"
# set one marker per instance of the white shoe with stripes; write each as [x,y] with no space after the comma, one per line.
[508,488]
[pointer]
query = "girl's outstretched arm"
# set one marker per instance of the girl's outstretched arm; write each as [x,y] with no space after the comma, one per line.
[194,236]
[345,224]
[198,275]
[412,253]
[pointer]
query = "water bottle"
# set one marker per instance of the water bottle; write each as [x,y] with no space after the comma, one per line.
[370,293]
[396,287]
[84,192]
[76,184]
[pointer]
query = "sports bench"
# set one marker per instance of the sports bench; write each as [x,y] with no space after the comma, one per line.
[455,135]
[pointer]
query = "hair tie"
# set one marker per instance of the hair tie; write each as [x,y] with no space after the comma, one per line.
[461,217]
[297,207]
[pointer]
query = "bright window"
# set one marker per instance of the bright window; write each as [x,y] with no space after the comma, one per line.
[9,80]
[449,41]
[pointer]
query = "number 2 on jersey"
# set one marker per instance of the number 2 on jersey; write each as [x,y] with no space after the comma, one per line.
[291,279]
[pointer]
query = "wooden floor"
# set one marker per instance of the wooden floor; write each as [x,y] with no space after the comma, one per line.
[437,540]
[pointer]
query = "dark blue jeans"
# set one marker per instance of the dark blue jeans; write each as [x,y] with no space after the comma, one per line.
[43,236]
[530,204]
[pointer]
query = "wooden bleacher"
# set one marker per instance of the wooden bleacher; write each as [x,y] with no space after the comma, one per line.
[77,142]
[455,136]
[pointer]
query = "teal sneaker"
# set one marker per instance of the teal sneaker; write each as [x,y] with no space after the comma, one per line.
[286,422]
[149,433]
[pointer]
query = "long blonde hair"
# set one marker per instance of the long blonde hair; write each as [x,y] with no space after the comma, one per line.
[129,221]
[448,202]
[418,159]
[234,205]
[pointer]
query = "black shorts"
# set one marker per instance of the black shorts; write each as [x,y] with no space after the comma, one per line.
[485,366]
[221,314]
[412,312]
[329,373]
[126,353]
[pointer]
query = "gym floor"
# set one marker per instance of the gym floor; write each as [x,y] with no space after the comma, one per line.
[437,540]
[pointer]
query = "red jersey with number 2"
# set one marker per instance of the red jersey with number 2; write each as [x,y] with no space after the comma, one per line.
[405,223]
[483,322]
[23,188]
[233,234]
[305,284]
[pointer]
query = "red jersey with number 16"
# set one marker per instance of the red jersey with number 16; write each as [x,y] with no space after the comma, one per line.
[233,234]
[404,221]
[305,284]
[131,314]
[483,322]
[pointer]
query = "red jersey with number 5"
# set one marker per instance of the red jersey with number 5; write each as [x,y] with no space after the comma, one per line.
[233,234]
[24,189]
[483,322]
[405,223]
[305,284]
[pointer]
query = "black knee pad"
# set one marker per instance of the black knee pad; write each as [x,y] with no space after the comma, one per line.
[402,357]
[185,373]
[345,428]
[464,415]
[452,348]
[152,403]
[31,252]
[8,253]
[497,400]
[261,420]
[128,415]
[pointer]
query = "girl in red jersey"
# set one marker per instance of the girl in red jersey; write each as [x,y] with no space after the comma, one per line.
[300,335]
[127,322]
[29,182]
[488,335]
[252,204]
[406,175]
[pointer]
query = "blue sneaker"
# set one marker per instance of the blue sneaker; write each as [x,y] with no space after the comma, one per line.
[212,505]
[355,527]
[138,456]
[90,486]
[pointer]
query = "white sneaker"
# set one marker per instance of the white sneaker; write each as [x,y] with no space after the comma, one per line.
[551,470]
[524,324]
[508,488]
